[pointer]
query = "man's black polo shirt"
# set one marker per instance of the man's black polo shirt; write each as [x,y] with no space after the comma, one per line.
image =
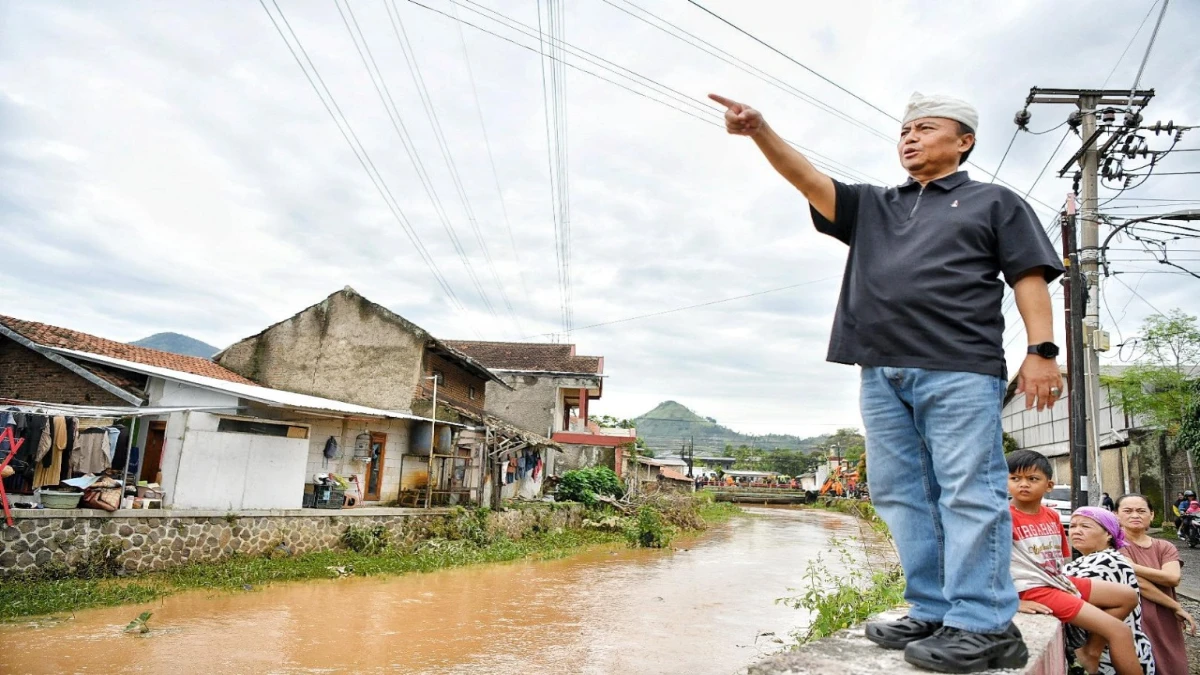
[922,284]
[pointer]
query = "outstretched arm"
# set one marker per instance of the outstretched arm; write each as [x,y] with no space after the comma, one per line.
[742,120]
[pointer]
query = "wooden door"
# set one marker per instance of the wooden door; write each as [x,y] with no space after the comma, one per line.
[374,480]
[152,457]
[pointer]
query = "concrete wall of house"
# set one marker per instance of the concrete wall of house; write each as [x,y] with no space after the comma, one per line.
[27,375]
[344,348]
[346,432]
[582,456]
[534,403]
[166,393]
[162,539]
[211,469]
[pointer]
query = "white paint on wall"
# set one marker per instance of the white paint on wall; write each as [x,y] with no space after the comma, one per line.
[170,393]
[208,469]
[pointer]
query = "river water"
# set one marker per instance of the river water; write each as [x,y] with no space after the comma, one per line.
[701,608]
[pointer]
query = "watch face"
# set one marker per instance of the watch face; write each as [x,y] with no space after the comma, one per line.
[1047,350]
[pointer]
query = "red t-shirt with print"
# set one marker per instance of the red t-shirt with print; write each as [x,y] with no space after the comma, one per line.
[1043,536]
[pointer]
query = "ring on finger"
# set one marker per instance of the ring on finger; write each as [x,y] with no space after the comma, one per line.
[1055,392]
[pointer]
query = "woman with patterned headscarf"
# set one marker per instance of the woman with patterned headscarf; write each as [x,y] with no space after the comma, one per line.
[1096,533]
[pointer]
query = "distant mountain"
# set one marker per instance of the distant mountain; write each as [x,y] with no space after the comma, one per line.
[670,423]
[178,344]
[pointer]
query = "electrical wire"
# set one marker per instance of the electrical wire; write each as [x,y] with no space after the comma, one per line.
[414,70]
[462,40]
[697,42]
[695,306]
[994,177]
[356,146]
[789,58]
[819,160]
[389,104]
[1005,155]
[702,106]
[1130,44]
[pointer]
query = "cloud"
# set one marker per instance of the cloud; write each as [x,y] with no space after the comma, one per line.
[175,171]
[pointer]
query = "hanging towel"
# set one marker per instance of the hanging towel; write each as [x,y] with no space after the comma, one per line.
[114,435]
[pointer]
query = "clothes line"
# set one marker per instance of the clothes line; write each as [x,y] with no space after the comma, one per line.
[96,412]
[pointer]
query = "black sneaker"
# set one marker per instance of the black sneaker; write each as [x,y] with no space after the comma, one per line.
[896,634]
[951,650]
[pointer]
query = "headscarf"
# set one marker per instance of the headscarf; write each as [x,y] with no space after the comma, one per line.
[937,105]
[1104,518]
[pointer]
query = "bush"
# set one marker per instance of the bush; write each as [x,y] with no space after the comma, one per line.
[650,531]
[367,540]
[582,485]
[840,596]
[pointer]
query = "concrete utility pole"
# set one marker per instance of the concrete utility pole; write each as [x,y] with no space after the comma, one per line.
[1096,116]
[1076,381]
[1089,239]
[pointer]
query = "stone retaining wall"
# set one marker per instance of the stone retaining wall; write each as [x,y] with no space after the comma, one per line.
[151,540]
[849,652]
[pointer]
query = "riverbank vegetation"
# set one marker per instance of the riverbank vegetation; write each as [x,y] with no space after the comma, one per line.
[364,551]
[862,583]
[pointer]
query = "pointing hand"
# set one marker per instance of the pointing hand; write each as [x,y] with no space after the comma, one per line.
[740,119]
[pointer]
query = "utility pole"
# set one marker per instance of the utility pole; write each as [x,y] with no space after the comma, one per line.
[1088,258]
[1076,380]
[1096,116]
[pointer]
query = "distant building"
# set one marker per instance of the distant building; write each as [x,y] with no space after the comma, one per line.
[1133,455]
[547,388]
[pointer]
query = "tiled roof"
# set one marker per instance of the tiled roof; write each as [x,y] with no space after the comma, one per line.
[533,356]
[672,474]
[65,338]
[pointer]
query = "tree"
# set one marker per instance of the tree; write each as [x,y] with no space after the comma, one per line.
[1160,388]
[849,444]
[1010,443]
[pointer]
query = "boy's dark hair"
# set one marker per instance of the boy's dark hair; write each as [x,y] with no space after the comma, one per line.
[1020,460]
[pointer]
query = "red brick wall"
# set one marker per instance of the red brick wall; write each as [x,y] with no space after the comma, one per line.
[457,382]
[27,375]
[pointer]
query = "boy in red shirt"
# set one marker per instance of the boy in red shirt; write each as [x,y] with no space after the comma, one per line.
[1039,551]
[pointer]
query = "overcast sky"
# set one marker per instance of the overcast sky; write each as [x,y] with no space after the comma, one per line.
[168,167]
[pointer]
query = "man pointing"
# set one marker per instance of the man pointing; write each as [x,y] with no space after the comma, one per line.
[920,313]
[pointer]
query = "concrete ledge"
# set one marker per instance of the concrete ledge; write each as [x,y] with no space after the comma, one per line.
[849,652]
[363,512]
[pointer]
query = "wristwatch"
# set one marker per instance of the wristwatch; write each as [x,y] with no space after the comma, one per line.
[1046,350]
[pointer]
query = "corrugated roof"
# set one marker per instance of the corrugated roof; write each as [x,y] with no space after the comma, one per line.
[251,391]
[530,356]
[65,338]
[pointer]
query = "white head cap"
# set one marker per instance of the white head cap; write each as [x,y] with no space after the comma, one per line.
[936,105]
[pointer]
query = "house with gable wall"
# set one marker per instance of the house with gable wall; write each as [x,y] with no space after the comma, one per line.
[349,348]
[210,437]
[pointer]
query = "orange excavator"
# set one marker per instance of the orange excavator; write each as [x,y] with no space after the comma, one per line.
[833,485]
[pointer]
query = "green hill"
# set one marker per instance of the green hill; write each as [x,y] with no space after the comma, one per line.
[178,344]
[670,423]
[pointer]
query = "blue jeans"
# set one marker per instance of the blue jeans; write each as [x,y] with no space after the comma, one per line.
[935,462]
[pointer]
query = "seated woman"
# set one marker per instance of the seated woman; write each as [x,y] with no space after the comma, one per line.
[1096,533]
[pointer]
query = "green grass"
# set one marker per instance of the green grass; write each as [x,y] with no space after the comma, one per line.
[33,598]
[714,512]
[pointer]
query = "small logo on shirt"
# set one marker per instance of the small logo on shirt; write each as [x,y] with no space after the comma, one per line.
[954,205]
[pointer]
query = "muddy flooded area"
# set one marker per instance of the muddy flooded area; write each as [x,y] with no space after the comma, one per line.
[700,608]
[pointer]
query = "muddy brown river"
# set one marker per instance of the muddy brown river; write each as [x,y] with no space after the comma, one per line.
[701,608]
